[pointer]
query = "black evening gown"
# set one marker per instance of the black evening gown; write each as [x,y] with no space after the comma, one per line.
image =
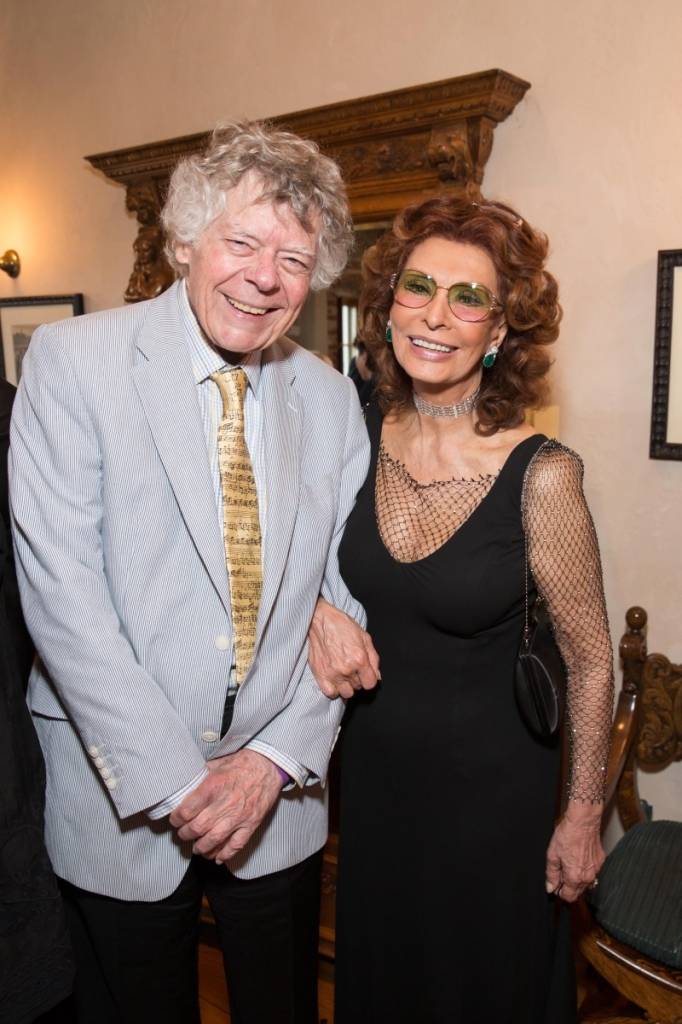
[447,802]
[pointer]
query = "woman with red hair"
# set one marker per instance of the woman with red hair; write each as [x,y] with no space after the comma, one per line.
[452,865]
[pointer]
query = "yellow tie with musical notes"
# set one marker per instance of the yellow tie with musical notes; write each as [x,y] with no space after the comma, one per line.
[241,525]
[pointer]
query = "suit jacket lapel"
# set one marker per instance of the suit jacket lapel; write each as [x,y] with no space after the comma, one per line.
[164,381]
[282,426]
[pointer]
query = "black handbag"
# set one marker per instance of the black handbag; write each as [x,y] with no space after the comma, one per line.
[540,674]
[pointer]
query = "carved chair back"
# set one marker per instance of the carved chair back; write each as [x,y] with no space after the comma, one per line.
[647,731]
[646,735]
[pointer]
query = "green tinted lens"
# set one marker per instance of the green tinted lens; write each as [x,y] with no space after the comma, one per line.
[414,289]
[470,301]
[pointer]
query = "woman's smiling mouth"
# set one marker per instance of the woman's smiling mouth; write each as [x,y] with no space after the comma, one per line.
[432,346]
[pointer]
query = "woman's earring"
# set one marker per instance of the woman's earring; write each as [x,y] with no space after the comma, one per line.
[389,333]
[490,356]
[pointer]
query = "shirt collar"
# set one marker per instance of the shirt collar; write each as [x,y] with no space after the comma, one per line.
[204,357]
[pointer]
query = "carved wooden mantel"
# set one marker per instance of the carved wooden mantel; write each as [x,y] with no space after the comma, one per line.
[392,148]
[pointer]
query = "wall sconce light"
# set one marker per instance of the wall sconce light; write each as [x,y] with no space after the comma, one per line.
[11,263]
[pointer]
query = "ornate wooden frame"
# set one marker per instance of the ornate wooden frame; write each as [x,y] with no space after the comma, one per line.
[392,148]
[660,447]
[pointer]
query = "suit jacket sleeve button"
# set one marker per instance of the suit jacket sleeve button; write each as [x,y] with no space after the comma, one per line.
[110,783]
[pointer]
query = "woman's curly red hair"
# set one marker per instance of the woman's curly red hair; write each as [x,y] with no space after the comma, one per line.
[528,292]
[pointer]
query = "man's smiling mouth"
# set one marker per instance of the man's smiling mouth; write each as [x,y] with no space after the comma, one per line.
[244,307]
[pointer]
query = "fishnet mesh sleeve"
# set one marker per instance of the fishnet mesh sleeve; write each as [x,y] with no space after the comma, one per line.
[563,556]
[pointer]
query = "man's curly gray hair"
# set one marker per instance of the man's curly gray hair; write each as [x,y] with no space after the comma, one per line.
[293,171]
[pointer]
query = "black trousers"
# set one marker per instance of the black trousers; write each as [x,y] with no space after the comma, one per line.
[137,962]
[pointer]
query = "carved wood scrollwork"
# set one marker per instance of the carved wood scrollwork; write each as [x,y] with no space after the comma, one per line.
[660,736]
[151,273]
[393,148]
[459,152]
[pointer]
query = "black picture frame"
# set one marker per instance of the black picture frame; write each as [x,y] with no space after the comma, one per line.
[667,392]
[19,317]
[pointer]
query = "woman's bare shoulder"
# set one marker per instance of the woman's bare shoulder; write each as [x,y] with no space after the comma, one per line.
[504,442]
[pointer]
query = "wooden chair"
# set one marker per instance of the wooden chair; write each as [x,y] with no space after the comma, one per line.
[647,734]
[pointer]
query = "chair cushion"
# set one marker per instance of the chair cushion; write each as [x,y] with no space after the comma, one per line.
[639,896]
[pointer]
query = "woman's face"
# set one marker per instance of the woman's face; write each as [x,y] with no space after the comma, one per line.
[443,355]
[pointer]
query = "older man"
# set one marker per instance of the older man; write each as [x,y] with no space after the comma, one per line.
[181,473]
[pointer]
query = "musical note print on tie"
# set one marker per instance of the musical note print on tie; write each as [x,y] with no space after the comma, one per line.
[241,525]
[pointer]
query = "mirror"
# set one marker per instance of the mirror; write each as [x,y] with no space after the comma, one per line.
[328,322]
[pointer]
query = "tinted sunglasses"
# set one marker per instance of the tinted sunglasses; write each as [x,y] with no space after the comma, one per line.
[467,300]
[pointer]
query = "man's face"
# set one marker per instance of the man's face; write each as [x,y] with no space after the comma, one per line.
[249,271]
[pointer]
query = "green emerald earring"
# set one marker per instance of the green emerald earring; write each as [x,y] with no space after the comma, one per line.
[389,333]
[490,356]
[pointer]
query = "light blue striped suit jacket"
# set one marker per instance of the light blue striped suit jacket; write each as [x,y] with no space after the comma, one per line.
[124,585]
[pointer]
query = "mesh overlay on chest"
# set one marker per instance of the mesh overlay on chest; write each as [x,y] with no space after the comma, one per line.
[416,519]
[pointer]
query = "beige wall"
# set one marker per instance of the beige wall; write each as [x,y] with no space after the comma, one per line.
[592,155]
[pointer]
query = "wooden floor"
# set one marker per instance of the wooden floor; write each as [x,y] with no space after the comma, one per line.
[593,996]
[213,994]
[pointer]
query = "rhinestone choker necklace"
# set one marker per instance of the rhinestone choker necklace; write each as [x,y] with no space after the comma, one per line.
[458,409]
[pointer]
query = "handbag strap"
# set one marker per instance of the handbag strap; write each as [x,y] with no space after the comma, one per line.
[547,443]
[526,627]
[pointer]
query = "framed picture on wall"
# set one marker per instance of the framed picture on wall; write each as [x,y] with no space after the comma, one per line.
[19,319]
[666,411]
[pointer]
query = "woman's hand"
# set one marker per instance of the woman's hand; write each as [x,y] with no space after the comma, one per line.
[341,654]
[575,853]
